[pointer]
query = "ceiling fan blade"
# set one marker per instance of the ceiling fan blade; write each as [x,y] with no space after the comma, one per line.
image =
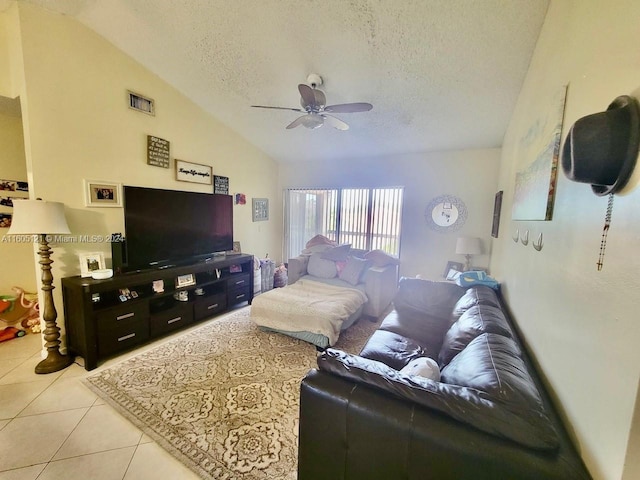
[296,122]
[335,122]
[349,108]
[308,97]
[278,108]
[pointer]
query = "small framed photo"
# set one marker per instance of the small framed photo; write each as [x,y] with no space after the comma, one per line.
[194,172]
[235,269]
[236,249]
[102,194]
[452,270]
[260,209]
[185,280]
[90,262]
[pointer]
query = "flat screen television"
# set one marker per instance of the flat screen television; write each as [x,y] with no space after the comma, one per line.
[170,227]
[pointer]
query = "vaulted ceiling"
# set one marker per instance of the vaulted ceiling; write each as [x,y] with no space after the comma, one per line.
[441,74]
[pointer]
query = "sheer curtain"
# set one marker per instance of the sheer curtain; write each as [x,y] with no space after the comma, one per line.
[367,218]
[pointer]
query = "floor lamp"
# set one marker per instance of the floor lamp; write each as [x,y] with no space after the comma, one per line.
[37,217]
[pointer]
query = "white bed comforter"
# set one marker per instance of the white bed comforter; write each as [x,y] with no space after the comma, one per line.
[307,306]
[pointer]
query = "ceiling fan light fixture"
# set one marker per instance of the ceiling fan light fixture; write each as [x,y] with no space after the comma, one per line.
[312,120]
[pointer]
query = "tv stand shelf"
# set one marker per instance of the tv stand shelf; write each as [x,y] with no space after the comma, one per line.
[103,317]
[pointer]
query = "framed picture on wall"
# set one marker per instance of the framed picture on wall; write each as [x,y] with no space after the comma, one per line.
[260,209]
[102,194]
[497,207]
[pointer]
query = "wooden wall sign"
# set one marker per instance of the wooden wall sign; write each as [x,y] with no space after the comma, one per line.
[221,184]
[157,151]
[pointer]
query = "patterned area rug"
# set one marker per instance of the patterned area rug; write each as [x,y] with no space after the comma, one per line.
[223,399]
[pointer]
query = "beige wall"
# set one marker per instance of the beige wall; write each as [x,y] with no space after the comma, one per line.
[78,126]
[18,265]
[470,175]
[580,323]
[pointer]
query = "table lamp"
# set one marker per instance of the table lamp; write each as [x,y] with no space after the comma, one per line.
[468,246]
[37,217]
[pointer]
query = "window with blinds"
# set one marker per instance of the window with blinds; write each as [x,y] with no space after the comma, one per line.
[367,218]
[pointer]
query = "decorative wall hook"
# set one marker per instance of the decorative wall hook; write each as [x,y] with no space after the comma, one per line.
[525,238]
[538,243]
[516,237]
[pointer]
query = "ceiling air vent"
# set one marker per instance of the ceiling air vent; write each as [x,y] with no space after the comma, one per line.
[141,104]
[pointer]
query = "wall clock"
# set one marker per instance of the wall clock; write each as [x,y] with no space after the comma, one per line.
[445,213]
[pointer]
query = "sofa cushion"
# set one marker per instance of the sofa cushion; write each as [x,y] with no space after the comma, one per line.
[493,364]
[353,270]
[426,330]
[470,406]
[422,367]
[321,268]
[477,320]
[392,349]
[479,295]
[417,297]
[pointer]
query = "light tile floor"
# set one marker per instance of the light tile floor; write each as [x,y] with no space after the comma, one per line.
[53,427]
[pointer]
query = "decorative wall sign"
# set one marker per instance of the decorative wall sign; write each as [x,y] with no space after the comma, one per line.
[221,184]
[260,209]
[157,151]
[194,172]
[102,194]
[497,206]
[141,104]
[538,151]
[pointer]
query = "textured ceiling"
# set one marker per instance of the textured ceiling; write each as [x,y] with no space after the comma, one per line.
[441,74]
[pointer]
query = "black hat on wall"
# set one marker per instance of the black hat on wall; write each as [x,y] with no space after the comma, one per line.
[602,148]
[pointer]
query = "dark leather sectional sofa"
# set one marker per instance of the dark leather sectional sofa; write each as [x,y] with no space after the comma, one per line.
[489,416]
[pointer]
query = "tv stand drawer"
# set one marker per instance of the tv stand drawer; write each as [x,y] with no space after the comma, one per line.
[171,319]
[210,305]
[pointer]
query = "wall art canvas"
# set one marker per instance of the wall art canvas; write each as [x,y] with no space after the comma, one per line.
[538,151]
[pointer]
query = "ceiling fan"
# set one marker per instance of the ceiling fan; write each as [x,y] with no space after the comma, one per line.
[315,108]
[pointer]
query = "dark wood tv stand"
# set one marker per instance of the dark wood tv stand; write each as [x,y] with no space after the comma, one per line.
[103,317]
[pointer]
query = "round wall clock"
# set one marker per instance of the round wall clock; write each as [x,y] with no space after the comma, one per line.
[445,213]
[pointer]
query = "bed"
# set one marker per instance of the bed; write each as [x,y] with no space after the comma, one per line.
[313,311]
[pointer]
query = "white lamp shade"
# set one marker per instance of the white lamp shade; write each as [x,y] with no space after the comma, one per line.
[38,217]
[468,246]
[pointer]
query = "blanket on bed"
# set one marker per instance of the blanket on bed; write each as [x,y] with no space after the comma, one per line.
[307,306]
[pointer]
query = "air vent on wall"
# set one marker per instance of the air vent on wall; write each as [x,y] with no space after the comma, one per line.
[141,103]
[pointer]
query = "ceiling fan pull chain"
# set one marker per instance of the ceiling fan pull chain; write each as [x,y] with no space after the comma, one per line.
[605,231]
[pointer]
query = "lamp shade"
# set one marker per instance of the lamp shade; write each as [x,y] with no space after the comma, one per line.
[468,246]
[38,217]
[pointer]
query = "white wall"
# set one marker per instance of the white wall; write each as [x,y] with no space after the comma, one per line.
[581,324]
[16,259]
[73,88]
[470,175]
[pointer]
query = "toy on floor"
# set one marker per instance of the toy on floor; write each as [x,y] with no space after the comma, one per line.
[10,333]
[23,310]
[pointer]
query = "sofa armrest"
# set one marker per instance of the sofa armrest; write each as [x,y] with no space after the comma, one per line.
[381,284]
[296,268]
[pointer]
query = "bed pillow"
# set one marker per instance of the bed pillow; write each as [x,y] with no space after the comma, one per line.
[320,240]
[353,270]
[379,258]
[337,254]
[320,267]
